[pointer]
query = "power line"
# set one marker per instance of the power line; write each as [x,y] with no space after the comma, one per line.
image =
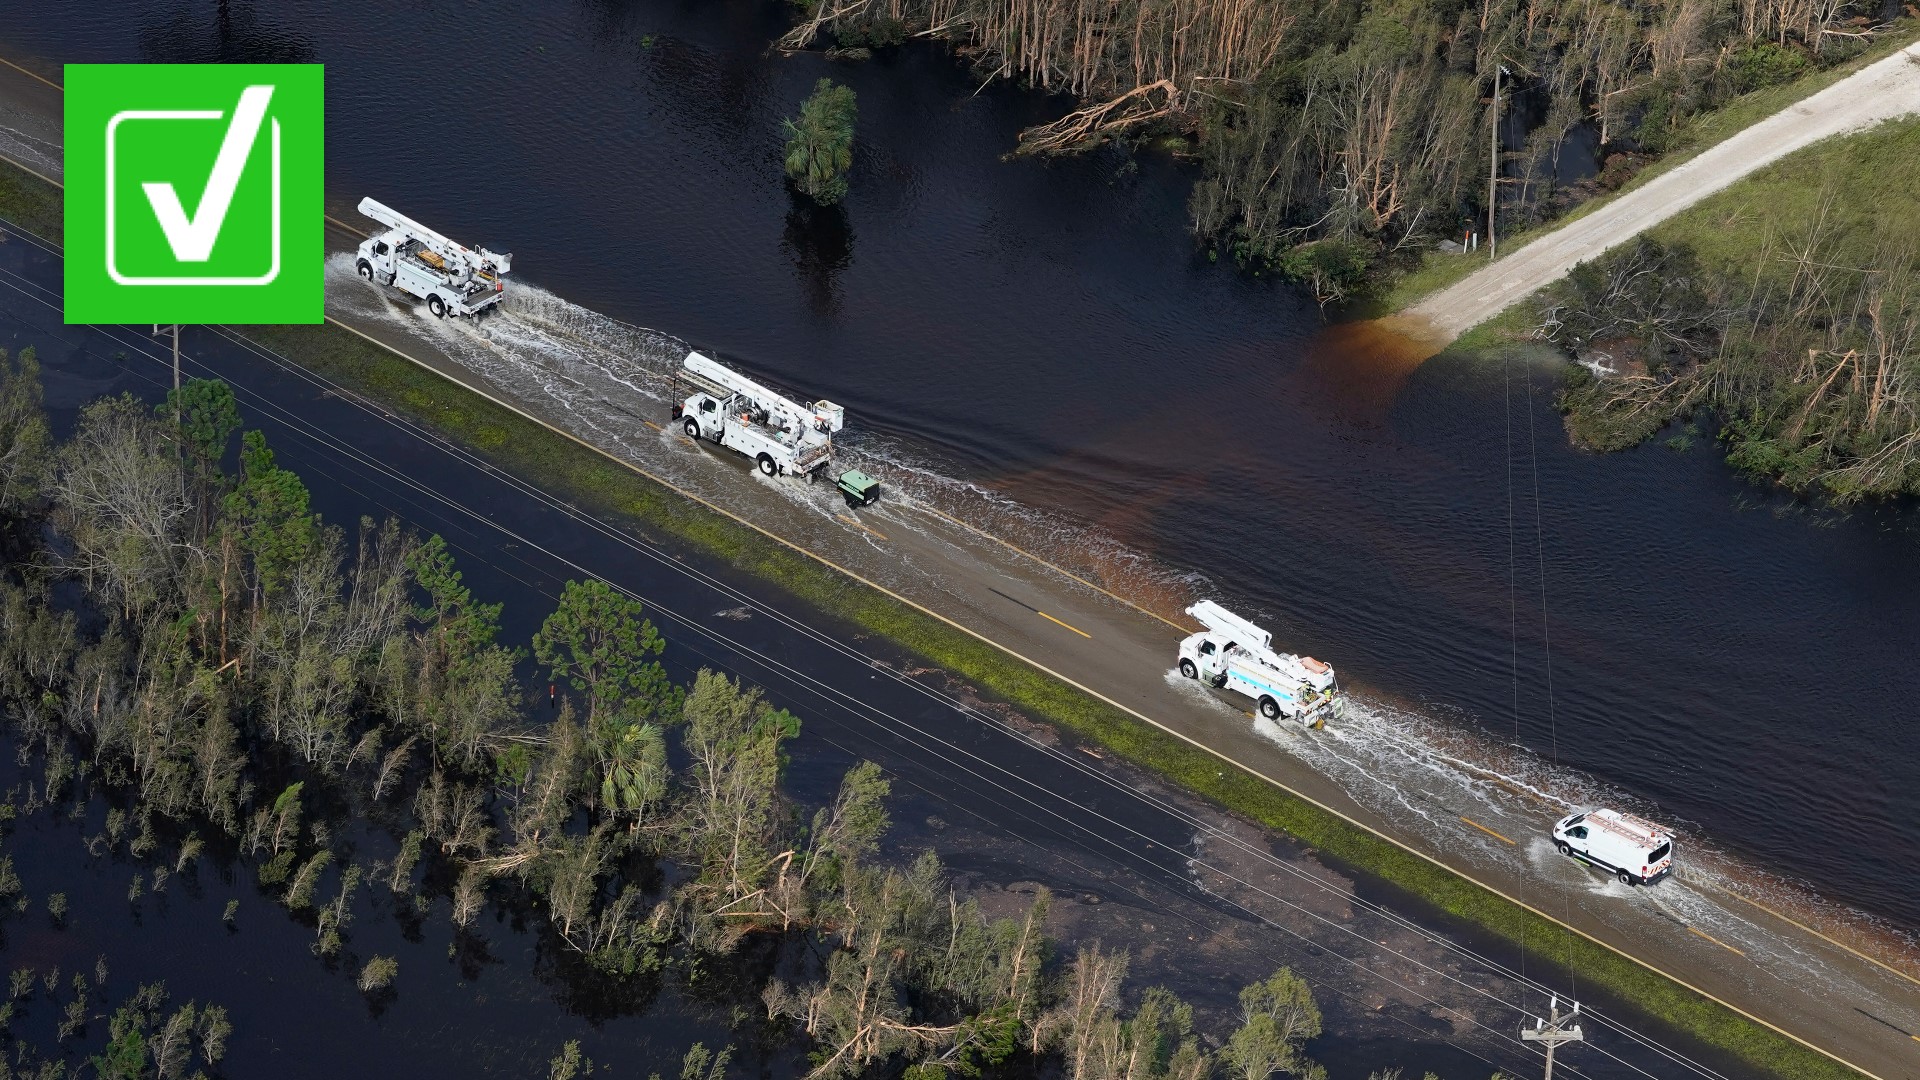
[295,369]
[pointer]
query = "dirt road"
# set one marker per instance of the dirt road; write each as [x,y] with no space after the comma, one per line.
[1880,91]
[609,384]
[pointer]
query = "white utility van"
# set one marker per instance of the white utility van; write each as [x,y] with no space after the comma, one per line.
[1633,849]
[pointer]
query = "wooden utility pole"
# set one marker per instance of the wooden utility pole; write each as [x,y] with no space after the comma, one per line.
[1559,1029]
[176,367]
[176,351]
[1493,163]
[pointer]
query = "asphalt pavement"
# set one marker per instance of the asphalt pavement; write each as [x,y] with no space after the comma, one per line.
[1205,901]
[1822,992]
[1887,88]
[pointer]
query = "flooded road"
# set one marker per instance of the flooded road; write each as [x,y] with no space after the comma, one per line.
[1039,347]
[1009,804]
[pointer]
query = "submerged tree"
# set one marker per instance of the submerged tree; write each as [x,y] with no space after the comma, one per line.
[208,417]
[229,662]
[25,447]
[1278,1014]
[820,143]
[598,642]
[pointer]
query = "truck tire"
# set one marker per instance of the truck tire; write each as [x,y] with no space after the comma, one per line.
[693,429]
[1627,879]
[1269,708]
[366,269]
[767,467]
[437,306]
[1187,669]
[1562,847]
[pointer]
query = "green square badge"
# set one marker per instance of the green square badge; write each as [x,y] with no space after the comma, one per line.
[194,193]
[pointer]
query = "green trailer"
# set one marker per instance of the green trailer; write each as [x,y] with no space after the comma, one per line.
[859,488]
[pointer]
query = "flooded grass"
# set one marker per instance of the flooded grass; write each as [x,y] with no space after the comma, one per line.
[592,480]
[565,467]
[31,203]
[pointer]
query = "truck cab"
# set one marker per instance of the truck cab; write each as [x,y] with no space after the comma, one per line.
[453,279]
[1234,654]
[406,264]
[783,437]
[1632,849]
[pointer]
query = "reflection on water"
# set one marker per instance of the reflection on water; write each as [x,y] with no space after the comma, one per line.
[1041,346]
[222,33]
[820,243]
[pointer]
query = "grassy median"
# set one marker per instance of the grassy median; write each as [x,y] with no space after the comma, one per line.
[593,481]
[597,483]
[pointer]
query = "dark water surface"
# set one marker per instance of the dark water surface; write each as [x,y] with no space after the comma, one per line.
[1128,862]
[1049,330]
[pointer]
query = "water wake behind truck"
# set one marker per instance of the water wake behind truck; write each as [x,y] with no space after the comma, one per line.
[1234,654]
[781,435]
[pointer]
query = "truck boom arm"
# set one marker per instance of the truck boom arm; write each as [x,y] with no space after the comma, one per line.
[712,371]
[1227,624]
[467,261]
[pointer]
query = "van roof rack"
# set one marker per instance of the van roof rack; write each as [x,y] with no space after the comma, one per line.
[1631,826]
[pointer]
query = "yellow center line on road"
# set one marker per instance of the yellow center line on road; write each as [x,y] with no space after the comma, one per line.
[653,425]
[1486,830]
[343,226]
[35,173]
[1056,569]
[1715,940]
[862,527]
[1084,688]
[1069,626]
[34,75]
[1883,965]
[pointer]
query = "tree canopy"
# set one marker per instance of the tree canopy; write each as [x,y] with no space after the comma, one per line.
[819,149]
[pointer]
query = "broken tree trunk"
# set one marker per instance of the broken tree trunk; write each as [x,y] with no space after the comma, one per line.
[1081,128]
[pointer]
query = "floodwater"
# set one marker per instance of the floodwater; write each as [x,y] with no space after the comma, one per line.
[1008,805]
[1041,346]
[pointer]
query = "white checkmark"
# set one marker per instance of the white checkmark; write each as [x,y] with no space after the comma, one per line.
[192,239]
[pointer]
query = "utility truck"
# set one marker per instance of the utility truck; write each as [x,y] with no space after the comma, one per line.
[782,436]
[452,278]
[1633,849]
[1234,654]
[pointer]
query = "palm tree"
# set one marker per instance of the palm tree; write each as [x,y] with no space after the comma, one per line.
[633,768]
[820,142]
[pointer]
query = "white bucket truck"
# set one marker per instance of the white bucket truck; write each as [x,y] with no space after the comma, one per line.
[782,436]
[1633,849]
[452,278]
[1234,654]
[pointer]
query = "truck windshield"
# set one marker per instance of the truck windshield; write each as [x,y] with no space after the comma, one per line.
[1659,853]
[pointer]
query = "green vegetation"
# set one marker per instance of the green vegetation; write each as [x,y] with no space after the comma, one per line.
[214,632]
[569,1063]
[1786,306]
[1434,270]
[31,203]
[1340,140]
[143,1039]
[820,143]
[596,482]
[378,974]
